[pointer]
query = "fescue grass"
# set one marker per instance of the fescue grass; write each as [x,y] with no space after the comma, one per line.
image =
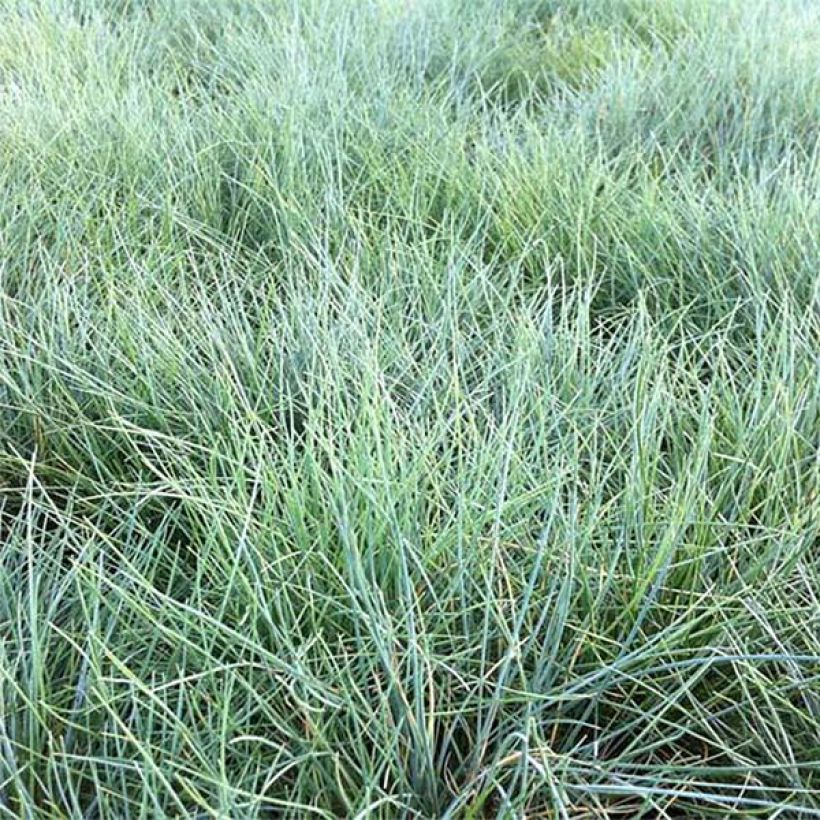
[409,408]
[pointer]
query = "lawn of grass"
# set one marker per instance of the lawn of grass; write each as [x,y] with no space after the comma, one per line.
[409,408]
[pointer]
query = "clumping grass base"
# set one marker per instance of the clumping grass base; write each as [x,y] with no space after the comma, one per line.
[409,409]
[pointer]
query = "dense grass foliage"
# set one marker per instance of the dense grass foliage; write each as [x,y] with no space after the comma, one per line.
[409,408]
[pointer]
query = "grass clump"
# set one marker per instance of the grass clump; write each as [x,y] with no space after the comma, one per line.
[409,409]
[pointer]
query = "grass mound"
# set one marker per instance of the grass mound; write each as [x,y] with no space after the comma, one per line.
[409,408]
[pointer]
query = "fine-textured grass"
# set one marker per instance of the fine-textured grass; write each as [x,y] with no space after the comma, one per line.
[409,408]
